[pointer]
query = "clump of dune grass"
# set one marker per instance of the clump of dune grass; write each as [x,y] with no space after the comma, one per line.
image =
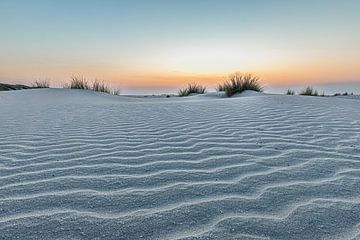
[239,82]
[221,88]
[115,92]
[309,91]
[100,87]
[343,94]
[191,88]
[78,82]
[41,84]
[290,92]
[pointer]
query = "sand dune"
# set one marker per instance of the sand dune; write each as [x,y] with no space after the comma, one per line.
[83,165]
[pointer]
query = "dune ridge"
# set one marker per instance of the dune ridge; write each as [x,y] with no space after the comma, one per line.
[85,165]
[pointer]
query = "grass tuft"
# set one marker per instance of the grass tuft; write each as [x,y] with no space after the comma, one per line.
[239,82]
[115,92]
[41,84]
[191,88]
[220,88]
[78,82]
[309,91]
[343,94]
[100,87]
[290,92]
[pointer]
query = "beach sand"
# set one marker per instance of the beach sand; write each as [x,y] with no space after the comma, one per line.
[77,164]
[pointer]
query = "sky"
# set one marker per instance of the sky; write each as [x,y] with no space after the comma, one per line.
[141,45]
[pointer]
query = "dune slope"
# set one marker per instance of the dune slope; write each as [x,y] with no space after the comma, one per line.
[84,165]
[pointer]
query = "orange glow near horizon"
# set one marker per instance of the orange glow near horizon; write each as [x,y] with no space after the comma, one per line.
[156,72]
[275,77]
[167,44]
[206,64]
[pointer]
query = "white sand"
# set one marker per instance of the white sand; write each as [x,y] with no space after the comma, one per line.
[82,165]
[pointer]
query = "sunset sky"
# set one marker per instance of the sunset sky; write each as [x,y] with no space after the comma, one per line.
[163,44]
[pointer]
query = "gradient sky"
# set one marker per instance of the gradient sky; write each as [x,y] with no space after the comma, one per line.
[162,44]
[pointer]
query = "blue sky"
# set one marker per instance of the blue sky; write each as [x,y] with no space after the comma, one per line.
[144,44]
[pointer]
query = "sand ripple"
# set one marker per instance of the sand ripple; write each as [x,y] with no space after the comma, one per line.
[83,165]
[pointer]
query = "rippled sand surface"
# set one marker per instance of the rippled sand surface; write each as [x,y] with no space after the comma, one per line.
[81,165]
